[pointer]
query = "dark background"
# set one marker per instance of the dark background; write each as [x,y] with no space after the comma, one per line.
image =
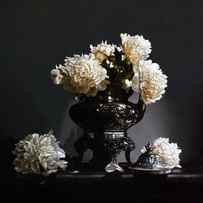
[36,35]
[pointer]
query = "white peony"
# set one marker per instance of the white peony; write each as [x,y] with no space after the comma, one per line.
[135,48]
[168,153]
[152,81]
[39,154]
[82,75]
[102,51]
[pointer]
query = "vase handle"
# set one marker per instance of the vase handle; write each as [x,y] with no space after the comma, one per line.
[140,107]
[130,147]
[127,157]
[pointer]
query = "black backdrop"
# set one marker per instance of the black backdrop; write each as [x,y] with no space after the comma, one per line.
[38,34]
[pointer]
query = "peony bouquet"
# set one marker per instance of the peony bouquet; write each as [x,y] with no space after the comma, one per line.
[107,65]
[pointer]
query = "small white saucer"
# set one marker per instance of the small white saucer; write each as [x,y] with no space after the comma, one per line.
[153,171]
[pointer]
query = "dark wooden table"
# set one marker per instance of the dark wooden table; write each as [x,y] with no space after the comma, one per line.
[178,186]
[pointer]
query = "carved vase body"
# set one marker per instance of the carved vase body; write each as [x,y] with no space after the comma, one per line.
[107,117]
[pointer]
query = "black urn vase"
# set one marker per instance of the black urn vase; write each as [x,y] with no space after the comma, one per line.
[105,119]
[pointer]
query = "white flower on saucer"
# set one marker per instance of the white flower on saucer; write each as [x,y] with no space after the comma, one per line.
[168,154]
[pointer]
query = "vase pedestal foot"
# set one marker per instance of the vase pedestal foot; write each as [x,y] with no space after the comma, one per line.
[112,167]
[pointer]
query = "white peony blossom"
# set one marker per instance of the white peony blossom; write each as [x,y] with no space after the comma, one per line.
[39,154]
[167,153]
[82,75]
[136,48]
[102,50]
[152,82]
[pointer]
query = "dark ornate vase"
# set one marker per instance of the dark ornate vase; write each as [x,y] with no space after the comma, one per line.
[105,120]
